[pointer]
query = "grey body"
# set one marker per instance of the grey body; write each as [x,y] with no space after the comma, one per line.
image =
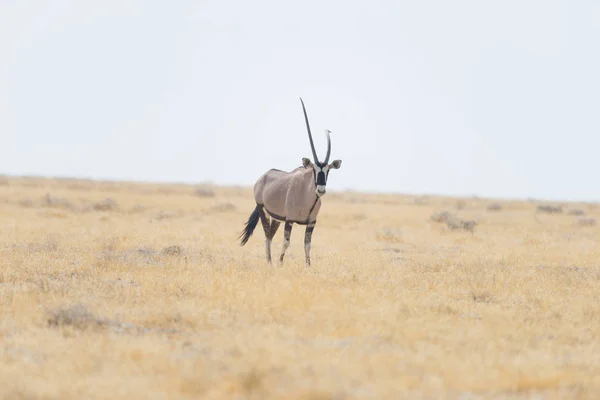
[291,197]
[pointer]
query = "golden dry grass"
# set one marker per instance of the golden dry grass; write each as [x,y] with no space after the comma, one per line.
[395,305]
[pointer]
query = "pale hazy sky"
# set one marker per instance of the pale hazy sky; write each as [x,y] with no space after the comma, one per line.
[452,97]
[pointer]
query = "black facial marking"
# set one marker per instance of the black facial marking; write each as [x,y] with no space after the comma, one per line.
[321,177]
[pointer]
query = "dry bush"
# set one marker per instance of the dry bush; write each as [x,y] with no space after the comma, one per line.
[494,207]
[441,216]
[389,235]
[453,222]
[79,318]
[460,224]
[586,221]
[482,296]
[460,205]
[576,212]
[549,209]
[167,215]
[421,200]
[57,202]
[48,245]
[204,191]
[76,316]
[107,204]
[172,251]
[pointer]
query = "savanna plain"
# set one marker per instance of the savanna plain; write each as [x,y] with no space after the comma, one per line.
[131,290]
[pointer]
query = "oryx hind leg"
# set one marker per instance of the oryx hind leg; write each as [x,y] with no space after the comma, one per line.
[266,224]
[286,239]
[272,231]
[307,239]
[270,227]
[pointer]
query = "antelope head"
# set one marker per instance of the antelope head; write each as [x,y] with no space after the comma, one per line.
[320,169]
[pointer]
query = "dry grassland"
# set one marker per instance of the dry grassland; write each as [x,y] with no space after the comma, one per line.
[148,295]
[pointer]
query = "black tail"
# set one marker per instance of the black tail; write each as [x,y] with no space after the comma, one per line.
[250,225]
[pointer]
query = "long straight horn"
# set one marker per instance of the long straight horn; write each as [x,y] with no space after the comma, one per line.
[312,145]
[327,132]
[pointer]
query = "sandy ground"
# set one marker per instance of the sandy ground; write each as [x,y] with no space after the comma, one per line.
[126,290]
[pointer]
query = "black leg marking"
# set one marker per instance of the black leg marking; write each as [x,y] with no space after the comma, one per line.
[274,226]
[264,219]
[307,239]
[272,230]
[286,239]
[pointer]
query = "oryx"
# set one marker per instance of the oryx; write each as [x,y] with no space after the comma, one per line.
[291,197]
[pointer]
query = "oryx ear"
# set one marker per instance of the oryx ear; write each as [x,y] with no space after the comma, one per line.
[336,164]
[306,162]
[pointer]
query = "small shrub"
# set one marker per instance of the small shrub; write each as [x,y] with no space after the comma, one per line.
[482,296]
[145,251]
[576,212]
[204,191]
[460,205]
[586,221]
[47,246]
[494,207]
[166,215]
[421,200]
[56,202]
[549,209]
[441,216]
[453,222]
[111,244]
[390,236]
[459,224]
[76,316]
[106,205]
[172,251]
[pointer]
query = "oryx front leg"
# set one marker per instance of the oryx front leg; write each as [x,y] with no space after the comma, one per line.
[307,239]
[286,239]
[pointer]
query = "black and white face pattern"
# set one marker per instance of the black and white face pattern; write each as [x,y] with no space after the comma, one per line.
[321,173]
